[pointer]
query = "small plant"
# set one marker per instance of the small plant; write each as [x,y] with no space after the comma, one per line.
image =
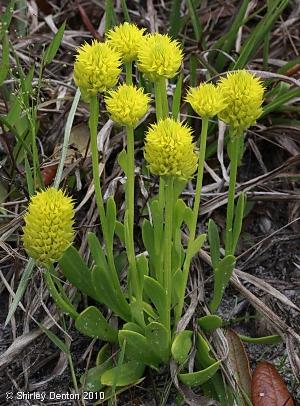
[149,304]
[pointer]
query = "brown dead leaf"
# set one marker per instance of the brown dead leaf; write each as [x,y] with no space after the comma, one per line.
[239,362]
[268,388]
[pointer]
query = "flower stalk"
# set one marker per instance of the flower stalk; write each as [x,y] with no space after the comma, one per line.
[196,208]
[231,193]
[93,125]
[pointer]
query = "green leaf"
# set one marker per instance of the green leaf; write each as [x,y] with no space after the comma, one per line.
[54,45]
[273,339]
[188,217]
[175,18]
[214,243]
[26,275]
[222,275]
[210,322]
[196,245]
[97,251]
[123,375]
[142,269]
[158,339]
[133,327]
[92,379]
[111,216]
[77,272]
[112,296]
[4,68]
[200,377]
[123,161]
[258,33]
[238,221]
[148,237]
[203,357]
[227,40]
[120,231]
[157,295]
[92,323]
[6,18]
[53,337]
[138,348]
[215,387]
[103,354]
[181,346]
[197,29]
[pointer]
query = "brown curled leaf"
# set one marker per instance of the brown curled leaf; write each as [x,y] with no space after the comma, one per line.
[268,387]
[239,362]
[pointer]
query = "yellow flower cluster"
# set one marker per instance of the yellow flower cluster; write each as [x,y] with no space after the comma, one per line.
[127,105]
[244,97]
[207,100]
[97,68]
[48,229]
[159,56]
[169,149]
[126,39]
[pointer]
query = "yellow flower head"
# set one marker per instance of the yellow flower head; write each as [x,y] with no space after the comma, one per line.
[125,38]
[48,229]
[158,56]
[207,100]
[97,68]
[244,96]
[169,149]
[127,105]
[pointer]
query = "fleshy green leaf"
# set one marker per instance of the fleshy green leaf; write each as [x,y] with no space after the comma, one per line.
[138,348]
[196,245]
[111,216]
[157,295]
[199,377]
[214,243]
[97,251]
[77,272]
[123,161]
[158,338]
[112,296]
[123,375]
[238,221]
[92,323]
[222,274]
[92,379]
[181,346]
[210,322]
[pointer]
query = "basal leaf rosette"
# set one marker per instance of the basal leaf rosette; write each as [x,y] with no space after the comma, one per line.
[48,229]
[207,100]
[127,104]
[96,68]
[159,56]
[125,39]
[244,96]
[169,149]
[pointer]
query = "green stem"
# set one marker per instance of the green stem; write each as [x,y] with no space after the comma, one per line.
[128,69]
[196,208]
[164,97]
[231,194]
[133,277]
[60,302]
[93,125]
[158,106]
[168,248]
